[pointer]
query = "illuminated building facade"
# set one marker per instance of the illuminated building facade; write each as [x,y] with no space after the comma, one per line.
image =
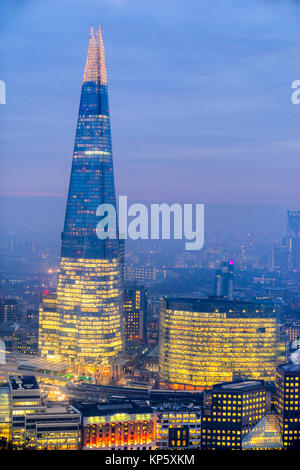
[26,400]
[48,323]
[5,412]
[178,428]
[288,403]
[208,341]
[231,411]
[36,425]
[57,428]
[89,290]
[116,426]
[264,436]
[292,329]
[135,312]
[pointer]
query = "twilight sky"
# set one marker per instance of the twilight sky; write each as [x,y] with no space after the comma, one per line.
[200,96]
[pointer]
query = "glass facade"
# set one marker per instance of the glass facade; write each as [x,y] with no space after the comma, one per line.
[265,435]
[202,343]
[89,301]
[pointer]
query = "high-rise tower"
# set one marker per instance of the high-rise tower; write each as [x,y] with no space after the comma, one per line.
[89,300]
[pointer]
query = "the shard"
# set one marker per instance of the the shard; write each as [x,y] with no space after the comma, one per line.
[89,291]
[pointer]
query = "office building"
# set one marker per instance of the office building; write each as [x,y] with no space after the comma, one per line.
[135,312]
[224,280]
[230,412]
[177,427]
[48,324]
[280,259]
[288,403]
[292,329]
[206,341]
[5,412]
[57,428]
[36,425]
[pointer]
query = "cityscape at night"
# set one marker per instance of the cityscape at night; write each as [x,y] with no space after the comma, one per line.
[150,235]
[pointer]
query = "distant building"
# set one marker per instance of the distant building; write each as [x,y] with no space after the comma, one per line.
[135,312]
[20,337]
[177,427]
[9,310]
[224,280]
[32,315]
[292,329]
[135,272]
[292,240]
[152,331]
[25,340]
[231,411]
[116,426]
[205,341]
[280,259]
[288,403]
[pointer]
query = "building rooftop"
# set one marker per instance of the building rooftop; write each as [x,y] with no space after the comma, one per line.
[232,308]
[58,410]
[243,385]
[290,367]
[40,363]
[104,409]
[23,382]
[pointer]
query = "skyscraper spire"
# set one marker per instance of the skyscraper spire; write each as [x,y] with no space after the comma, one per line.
[95,68]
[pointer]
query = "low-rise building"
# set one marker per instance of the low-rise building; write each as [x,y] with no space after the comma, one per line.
[177,427]
[116,426]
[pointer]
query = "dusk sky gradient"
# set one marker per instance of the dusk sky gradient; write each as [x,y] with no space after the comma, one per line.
[200,96]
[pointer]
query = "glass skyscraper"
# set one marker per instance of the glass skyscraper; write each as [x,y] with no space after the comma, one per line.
[89,292]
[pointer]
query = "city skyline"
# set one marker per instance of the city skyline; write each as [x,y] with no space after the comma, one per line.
[193,105]
[149,302]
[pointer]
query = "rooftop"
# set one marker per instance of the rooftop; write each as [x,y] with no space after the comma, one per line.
[232,308]
[264,435]
[40,363]
[104,409]
[290,367]
[243,385]
[23,382]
